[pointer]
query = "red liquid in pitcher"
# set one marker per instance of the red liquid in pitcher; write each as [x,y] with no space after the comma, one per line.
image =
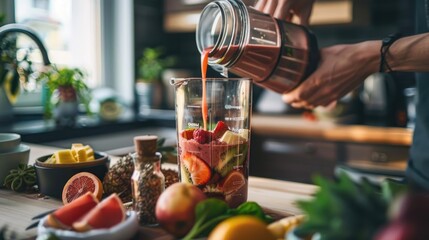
[273,67]
[256,62]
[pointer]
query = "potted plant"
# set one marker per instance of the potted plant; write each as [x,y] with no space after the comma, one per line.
[149,83]
[64,89]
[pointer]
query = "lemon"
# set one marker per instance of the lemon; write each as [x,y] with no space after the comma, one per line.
[240,228]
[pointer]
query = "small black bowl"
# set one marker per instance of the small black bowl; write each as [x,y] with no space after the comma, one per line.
[51,178]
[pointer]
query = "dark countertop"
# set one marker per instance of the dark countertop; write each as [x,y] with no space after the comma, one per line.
[34,129]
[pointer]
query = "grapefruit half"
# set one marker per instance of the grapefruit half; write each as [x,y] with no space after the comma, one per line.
[79,184]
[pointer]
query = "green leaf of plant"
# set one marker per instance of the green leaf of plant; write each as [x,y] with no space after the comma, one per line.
[210,208]
[208,213]
[152,63]
[354,210]
[160,142]
[65,77]
[391,189]
[251,208]
[2,18]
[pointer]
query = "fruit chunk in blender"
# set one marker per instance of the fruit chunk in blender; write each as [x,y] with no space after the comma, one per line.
[209,157]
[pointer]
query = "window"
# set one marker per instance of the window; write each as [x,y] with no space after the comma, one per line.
[70,30]
[95,35]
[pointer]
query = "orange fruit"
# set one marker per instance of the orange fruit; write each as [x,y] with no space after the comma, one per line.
[81,183]
[233,181]
[199,171]
[241,227]
[64,217]
[106,214]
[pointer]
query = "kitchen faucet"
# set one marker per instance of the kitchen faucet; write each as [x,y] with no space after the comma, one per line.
[19,28]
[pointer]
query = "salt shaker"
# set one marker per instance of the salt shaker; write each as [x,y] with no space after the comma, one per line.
[147,181]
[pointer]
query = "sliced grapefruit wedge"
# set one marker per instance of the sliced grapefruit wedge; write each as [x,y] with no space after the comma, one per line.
[233,182]
[106,214]
[64,217]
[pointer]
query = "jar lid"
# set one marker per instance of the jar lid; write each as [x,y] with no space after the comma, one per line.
[145,146]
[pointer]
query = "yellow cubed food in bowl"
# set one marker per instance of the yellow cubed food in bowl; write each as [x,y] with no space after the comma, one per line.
[80,155]
[64,156]
[76,145]
[89,153]
[51,160]
[83,154]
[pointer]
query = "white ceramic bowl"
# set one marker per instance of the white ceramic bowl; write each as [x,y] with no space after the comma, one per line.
[9,142]
[125,230]
[11,160]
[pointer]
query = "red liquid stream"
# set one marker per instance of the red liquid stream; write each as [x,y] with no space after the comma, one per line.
[204,107]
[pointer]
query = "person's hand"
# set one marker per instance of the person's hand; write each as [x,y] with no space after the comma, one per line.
[286,9]
[341,69]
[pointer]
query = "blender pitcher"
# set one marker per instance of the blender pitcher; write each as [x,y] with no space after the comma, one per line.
[277,55]
[214,157]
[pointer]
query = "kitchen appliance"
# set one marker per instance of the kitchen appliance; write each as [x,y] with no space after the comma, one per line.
[213,135]
[384,100]
[275,54]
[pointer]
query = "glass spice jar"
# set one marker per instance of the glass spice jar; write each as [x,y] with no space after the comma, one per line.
[147,181]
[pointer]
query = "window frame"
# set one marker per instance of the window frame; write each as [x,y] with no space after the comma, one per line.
[116,52]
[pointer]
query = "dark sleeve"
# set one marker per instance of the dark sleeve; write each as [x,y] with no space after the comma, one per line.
[418,165]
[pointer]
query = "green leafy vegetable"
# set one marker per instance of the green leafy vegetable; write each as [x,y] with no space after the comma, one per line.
[392,188]
[252,208]
[344,210]
[210,212]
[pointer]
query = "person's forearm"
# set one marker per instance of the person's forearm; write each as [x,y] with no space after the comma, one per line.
[410,54]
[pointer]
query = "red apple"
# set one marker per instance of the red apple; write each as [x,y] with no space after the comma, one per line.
[409,215]
[403,230]
[411,207]
[175,208]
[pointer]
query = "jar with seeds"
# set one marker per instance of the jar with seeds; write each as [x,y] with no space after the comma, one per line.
[147,181]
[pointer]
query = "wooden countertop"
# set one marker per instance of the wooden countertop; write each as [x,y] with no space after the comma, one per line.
[275,196]
[296,126]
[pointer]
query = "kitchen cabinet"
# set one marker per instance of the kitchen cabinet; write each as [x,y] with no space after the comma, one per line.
[292,159]
[379,159]
[183,15]
[294,149]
